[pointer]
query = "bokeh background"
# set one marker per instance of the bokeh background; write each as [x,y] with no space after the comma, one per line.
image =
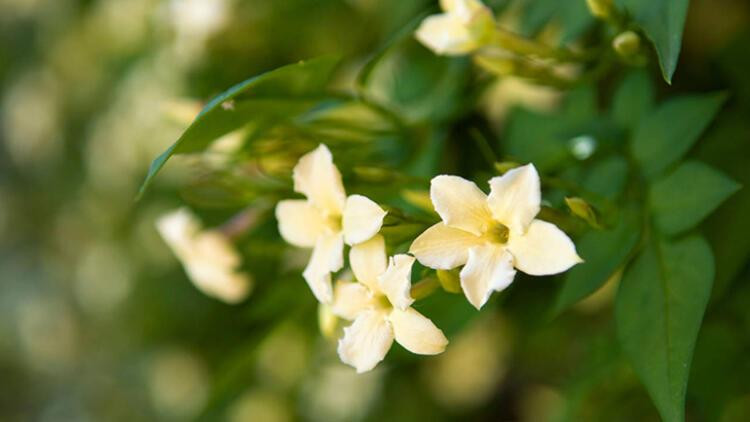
[98,322]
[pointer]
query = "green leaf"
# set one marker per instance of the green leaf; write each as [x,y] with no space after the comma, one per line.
[665,135]
[633,99]
[603,251]
[416,84]
[658,312]
[663,22]
[682,199]
[607,177]
[288,90]
[573,18]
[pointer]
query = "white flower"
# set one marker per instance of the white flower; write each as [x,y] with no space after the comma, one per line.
[490,235]
[380,306]
[326,219]
[465,26]
[209,258]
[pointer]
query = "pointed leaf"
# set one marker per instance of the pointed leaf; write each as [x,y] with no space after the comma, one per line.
[665,135]
[682,199]
[663,22]
[633,100]
[603,251]
[284,91]
[658,312]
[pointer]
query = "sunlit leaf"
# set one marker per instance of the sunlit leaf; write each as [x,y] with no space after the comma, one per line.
[688,195]
[658,312]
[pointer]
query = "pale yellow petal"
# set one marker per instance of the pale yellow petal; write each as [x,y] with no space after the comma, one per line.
[350,299]
[462,7]
[488,269]
[316,177]
[442,247]
[446,35]
[327,257]
[219,282]
[416,332]
[178,228]
[543,250]
[395,282]
[368,260]
[300,223]
[515,197]
[466,26]
[460,203]
[362,219]
[213,246]
[366,342]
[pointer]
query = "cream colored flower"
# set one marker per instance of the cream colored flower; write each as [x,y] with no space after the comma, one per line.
[380,306]
[490,235]
[326,219]
[209,259]
[465,26]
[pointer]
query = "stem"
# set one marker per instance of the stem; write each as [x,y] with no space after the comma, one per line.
[424,288]
[523,46]
[484,146]
[244,220]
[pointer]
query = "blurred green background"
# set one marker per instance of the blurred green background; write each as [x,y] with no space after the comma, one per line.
[98,321]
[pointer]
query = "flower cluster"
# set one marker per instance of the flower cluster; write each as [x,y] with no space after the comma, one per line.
[489,235]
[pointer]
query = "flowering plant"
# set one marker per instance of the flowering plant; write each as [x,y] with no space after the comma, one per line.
[593,197]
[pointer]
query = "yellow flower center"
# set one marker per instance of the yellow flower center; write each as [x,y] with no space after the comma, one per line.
[498,233]
[381,302]
[333,222]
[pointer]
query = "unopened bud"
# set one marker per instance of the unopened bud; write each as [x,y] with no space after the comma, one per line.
[583,210]
[627,44]
[602,9]
[449,280]
[327,321]
[503,166]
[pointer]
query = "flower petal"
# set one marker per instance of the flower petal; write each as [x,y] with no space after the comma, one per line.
[416,332]
[446,34]
[300,223]
[460,203]
[442,247]
[366,342]
[368,260]
[515,197]
[350,299]
[214,247]
[488,269]
[219,282]
[316,177]
[362,219]
[395,282]
[543,250]
[178,228]
[327,256]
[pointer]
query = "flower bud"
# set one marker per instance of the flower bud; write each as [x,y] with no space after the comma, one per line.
[449,280]
[327,321]
[601,9]
[583,210]
[466,26]
[504,166]
[626,44]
